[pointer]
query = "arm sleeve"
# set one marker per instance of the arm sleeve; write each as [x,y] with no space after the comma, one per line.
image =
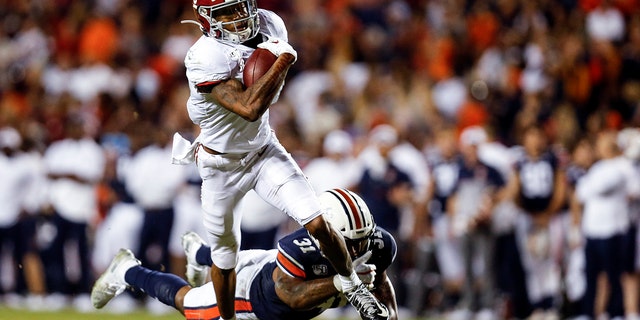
[598,181]
[207,64]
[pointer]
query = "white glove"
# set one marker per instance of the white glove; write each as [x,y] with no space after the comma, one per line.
[278,46]
[366,272]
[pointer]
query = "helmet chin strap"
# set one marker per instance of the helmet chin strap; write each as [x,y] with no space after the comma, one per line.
[192,22]
[206,32]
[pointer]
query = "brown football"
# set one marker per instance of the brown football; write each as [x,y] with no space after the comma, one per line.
[257,65]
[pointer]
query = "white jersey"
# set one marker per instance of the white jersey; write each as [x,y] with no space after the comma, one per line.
[75,201]
[210,61]
[150,189]
[605,192]
[13,186]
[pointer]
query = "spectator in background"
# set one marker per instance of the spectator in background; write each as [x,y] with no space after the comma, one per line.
[74,165]
[581,159]
[538,186]
[445,167]
[386,189]
[187,218]
[123,217]
[409,157]
[628,140]
[382,184]
[14,187]
[33,200]
[12,177]
[155,194]
[605,192]
[478,189]
[337,167]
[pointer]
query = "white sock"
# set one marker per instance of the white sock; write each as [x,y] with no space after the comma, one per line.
[350,282]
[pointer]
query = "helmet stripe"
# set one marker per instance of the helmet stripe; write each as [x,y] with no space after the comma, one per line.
[353,208]
[344,206]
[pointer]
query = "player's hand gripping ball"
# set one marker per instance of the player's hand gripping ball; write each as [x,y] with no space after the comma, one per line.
[257,65]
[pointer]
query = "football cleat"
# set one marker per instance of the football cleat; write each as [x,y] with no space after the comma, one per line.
[111,283]
[196,273]
[367,305]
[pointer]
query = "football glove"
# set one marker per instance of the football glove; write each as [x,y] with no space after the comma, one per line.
[278,46]
[365,272]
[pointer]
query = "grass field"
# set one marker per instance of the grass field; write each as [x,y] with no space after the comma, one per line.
[68,314]
[19,314]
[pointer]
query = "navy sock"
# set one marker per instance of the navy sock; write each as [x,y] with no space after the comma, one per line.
[159,285]
[203,256]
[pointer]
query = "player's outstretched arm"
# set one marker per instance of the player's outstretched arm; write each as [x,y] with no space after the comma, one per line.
[386,294]
[250,103]
[302,295]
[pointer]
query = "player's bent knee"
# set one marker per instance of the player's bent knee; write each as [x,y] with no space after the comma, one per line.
[224,260]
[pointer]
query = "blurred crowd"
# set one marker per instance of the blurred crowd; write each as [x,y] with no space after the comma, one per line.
[497,140]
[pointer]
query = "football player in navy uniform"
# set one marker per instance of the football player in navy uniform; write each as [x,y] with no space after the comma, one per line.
[294,281]
[539,178]
[445,168]
[539,187]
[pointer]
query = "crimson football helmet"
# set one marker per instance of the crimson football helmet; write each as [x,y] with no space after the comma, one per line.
[350,215]
[227,20]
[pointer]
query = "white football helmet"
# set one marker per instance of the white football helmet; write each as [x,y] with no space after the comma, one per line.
[349,214]
[227,20]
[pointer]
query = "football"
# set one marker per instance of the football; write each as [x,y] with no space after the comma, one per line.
[257,65]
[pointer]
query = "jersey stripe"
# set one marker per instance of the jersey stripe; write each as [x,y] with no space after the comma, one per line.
[289,265]
[208,83]
[212,312]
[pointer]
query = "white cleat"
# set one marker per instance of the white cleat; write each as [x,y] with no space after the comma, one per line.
[111,283]
[196,273]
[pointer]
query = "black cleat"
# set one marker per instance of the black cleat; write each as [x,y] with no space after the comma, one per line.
[367,305]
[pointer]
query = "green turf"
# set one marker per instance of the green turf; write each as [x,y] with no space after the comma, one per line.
[18,314]
[69,314]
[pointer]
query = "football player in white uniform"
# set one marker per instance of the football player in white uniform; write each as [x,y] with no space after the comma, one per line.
[295,281]
[236,149]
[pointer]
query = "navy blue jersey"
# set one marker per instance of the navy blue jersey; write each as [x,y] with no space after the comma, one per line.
[537,181]
[374,191]
[445,175]
[485,173]
[300,257]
